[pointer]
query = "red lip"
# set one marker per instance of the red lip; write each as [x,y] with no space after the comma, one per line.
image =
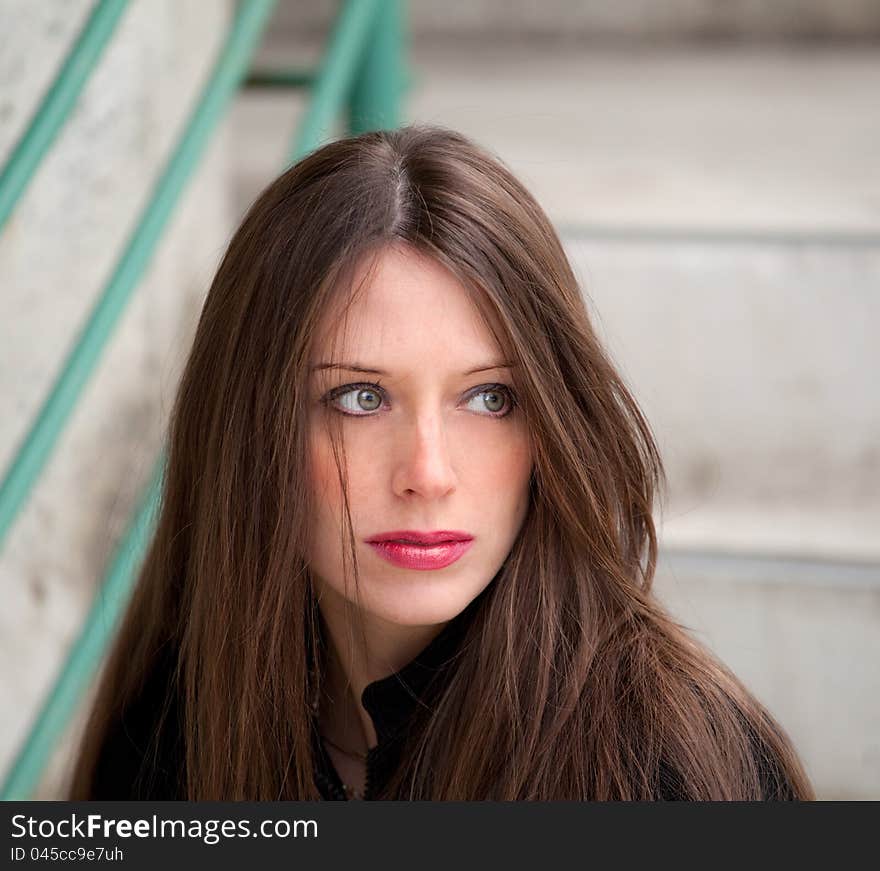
[411,549]
[424,557]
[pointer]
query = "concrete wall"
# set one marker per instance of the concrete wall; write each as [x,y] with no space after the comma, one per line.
[803,636]
[55,255]
[756,363]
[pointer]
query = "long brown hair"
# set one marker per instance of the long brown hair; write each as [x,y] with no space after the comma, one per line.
[596,693]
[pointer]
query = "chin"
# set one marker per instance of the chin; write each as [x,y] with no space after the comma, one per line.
[418,607]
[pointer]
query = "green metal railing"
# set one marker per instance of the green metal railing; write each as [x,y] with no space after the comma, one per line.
[362,70]
[58,103]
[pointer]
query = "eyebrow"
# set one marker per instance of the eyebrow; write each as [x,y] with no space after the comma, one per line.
[358,367]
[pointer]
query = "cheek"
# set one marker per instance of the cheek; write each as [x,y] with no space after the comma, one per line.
[501,466]
[323,474]
[324,548]
[326,489]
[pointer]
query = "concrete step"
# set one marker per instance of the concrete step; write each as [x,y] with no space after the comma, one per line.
[802,635]
[725,139]
[553,21]
[755,360]
[739,140]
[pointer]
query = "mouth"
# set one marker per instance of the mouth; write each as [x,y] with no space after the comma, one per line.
[421,551]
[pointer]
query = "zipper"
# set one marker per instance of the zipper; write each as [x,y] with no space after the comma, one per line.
[326,773]
[332,784]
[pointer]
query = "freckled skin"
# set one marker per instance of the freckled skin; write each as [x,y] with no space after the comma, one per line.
[431,457]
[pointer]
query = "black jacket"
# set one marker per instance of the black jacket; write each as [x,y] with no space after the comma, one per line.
[390,702]
[122,773]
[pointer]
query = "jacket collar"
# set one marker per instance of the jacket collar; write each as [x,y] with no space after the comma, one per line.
[391,701]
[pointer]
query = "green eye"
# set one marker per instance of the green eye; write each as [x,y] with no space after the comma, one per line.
[362,400]
[496,399]
[358,400]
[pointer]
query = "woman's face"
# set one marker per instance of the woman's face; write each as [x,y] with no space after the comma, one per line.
[432,444]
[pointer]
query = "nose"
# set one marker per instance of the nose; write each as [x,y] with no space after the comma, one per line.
[423,464]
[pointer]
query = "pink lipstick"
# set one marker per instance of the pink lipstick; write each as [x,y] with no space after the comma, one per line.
[410,549]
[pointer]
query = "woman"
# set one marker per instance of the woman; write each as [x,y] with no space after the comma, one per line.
[406,543]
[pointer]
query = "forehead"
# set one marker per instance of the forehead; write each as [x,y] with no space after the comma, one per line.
[405,308]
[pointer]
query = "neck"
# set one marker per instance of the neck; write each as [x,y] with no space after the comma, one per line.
[362,648]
